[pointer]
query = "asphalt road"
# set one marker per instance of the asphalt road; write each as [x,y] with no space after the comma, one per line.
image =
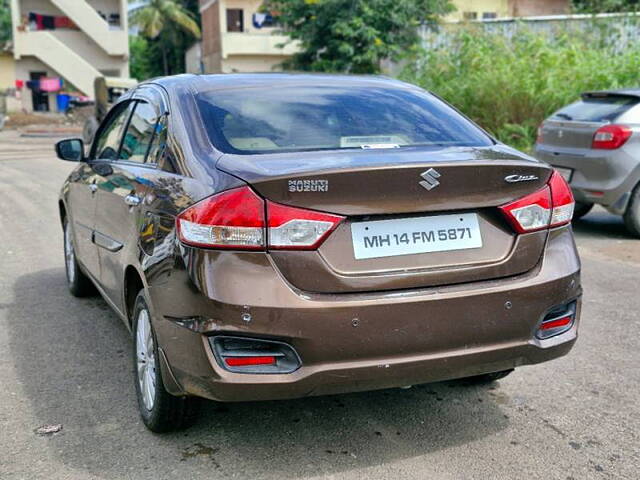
[67,361]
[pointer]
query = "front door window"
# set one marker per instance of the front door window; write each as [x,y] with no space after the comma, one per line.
[108,141]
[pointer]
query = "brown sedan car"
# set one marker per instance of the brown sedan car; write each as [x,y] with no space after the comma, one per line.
[274,236]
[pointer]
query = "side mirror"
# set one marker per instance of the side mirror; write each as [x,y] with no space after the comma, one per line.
[71,149]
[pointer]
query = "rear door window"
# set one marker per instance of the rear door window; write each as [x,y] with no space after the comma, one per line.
[596,108]
[140,133]
[159,142]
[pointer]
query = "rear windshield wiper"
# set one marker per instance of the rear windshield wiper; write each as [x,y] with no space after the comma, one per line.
[564,115]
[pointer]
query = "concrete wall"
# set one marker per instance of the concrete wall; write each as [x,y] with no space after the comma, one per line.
[86,48]
[509,8]
[211,38]
[500,7]
[252,63]
[7,71]
[530,8]
[193,58]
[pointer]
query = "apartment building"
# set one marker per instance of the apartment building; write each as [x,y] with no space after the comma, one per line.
[492,9]
[73,41]
[237,37]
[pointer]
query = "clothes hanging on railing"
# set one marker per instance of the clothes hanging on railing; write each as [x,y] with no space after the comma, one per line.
[33,85]
[44,84]
[50,84]
[64,22]
[38,21]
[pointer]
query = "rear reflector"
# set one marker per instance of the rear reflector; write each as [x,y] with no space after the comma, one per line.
[551,206]
[239,219]
[611,137]
[560,322]
[254,355]
[249,361]
[557,321]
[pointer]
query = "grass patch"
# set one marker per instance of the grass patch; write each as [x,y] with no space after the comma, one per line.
[509,86]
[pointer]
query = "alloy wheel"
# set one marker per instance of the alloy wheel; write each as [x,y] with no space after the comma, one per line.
[69,255]
[145,358]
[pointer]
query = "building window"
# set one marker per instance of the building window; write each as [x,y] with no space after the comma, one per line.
[470,15]
[489,15]
[235,20]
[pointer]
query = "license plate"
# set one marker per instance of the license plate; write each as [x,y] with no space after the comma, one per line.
[409,236]
[565,172]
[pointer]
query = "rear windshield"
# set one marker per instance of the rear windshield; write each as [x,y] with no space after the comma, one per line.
[268,120]
[596,109]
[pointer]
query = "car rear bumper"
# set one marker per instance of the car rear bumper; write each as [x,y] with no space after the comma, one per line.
[604,177]
[354,342]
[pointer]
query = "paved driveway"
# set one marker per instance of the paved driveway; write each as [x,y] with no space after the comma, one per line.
[66,360]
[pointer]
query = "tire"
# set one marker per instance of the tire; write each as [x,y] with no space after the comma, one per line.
[487,377]
[632,214]
[581,209]
[79,284]
[160,411]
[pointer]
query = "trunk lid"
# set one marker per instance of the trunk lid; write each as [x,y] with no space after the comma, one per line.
[373,185]
[568,135]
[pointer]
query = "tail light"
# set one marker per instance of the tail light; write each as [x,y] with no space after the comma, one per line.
[232,219]
[298,229]
[239,219]
[611,137]
[549,207]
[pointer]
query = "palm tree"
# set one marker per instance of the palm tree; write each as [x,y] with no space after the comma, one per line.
[153,16]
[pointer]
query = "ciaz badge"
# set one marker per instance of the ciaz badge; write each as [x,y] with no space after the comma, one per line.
[520,178]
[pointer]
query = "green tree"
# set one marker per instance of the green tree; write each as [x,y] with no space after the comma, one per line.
[353,36]
[140,62]
[167,25]
[605,6]
[5,22]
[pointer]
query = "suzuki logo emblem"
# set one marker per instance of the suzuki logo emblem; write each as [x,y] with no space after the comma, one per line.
[430,179]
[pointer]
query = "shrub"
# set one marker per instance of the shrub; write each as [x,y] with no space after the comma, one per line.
[509,86]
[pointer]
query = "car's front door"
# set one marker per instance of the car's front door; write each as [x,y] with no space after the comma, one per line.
[120,210]
[81,205]
[84,185]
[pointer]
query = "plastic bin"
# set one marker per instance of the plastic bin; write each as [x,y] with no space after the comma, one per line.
[62,101]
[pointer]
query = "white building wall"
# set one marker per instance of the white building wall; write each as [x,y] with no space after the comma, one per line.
[83,54]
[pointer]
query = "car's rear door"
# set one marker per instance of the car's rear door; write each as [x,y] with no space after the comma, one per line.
[120,210]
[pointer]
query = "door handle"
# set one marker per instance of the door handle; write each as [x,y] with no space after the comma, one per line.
[132,200]
[93,187]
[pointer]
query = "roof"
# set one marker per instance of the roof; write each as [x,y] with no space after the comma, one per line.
[202,83]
